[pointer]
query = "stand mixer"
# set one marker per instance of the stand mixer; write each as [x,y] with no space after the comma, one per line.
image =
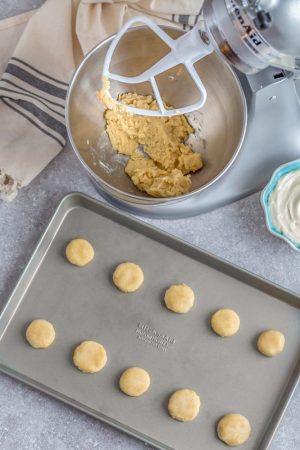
[261,40]
[250,34]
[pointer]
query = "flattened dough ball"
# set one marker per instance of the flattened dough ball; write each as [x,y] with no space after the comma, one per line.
[184,405]
[89,356]
[179,298]
[128,277]
[271,343]
[134,381]
[79,252]
[40,333]
[225,322]
[234,429]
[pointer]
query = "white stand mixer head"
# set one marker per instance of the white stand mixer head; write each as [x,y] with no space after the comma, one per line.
[249,34]
[186,50]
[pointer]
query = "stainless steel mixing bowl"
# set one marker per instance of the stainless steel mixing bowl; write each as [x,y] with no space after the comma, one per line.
[223,117]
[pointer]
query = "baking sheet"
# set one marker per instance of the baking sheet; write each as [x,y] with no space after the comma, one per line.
[137,330]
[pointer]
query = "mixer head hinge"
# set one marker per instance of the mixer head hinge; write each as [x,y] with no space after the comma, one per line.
[263,20]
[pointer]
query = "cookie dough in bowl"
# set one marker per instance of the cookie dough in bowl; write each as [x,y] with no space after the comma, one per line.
[163,168]
[128,277]
[79,252]
[89,357]
[179,298]
[271,342]
[134,381]
[234,429]
[40,333]
[225,322]
[184,405]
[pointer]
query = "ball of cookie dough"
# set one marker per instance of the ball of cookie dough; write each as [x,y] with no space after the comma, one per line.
[89,357]
[225,322]
[271,343]
[179,298]
[40,333]
[128,277]
[79,252]
[184,405]
[234,429]
[134,381]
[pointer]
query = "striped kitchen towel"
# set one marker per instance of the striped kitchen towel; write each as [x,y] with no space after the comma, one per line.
[39,51]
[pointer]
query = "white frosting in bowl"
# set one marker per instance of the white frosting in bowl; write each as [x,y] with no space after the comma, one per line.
[284,204]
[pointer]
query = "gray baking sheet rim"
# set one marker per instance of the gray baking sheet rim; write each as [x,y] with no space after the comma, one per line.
[73,200]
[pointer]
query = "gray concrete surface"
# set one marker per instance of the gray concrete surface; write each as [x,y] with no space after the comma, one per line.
[31,420]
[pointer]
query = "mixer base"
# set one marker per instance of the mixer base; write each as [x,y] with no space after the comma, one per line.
[272,138]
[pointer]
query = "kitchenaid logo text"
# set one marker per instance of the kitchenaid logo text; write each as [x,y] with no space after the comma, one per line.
[149,335]
[253,36]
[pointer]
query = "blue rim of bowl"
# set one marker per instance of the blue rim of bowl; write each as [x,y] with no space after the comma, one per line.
[265,195]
